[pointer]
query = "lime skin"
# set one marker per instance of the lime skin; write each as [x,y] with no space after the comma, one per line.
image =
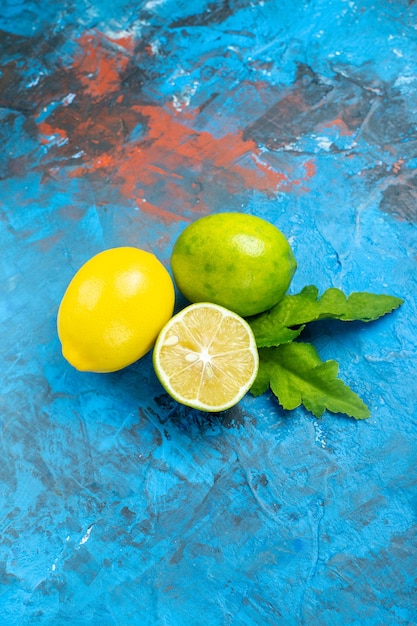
[239,261]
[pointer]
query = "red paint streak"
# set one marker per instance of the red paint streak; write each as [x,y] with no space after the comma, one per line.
[340,125]
[310,168]
[172,168]
[396,167]
[172,147]
[49,133]
[169,159]
[127,42]
[158,212]
[310,171]
[102,161]
[98,67]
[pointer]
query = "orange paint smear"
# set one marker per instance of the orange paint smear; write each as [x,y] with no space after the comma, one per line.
[49,133]
[97,67]
[341,126]
[172,156]
[173,168]
[158,212]
[310,168]
[127,42]
[172,146]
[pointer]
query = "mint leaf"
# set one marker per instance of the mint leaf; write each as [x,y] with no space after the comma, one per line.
[296,375]
[286,320]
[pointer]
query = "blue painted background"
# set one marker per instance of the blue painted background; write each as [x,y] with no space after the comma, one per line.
[120,123]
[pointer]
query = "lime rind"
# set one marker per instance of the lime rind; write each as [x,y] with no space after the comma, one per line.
[236,260]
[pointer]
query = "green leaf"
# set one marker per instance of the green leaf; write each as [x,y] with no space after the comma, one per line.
[286,320]
[296,375]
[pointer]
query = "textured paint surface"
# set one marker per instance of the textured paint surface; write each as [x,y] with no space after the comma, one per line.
[120,123]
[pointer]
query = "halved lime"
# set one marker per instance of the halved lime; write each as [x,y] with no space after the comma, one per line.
[206,357]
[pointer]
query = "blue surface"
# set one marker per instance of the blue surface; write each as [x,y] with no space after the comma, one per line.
[120,123]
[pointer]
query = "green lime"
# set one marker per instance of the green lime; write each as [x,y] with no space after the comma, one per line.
[239,261]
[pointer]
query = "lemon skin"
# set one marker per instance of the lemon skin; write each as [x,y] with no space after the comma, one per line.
[113,309]
[239,261]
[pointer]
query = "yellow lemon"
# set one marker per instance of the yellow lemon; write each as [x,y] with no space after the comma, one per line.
[239,261]
[206,357]
[113,309]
